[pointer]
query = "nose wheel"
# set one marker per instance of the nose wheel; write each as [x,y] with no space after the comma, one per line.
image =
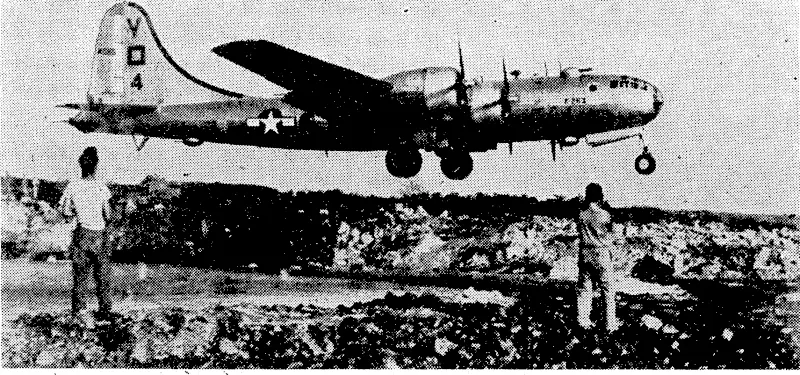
[645,163]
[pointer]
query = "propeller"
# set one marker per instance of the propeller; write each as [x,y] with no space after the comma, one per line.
[503,101]
[505,104]
[460,86]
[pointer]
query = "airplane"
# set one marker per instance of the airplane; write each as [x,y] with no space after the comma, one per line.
[333,108]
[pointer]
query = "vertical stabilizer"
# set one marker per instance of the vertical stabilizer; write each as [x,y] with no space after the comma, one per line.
[127,67]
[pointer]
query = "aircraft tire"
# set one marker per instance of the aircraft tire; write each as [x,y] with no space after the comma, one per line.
[403,162]
[457,165]
[645,163]
[192,142]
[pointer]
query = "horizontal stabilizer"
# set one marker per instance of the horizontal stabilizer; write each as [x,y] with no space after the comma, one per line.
[71,106]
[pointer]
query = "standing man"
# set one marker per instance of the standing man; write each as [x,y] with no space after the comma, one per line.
[595,268]
[87,199]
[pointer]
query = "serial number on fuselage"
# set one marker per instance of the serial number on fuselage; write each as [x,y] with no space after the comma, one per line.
[575,101]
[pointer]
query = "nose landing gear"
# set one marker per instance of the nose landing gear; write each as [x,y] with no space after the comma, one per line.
[645,163]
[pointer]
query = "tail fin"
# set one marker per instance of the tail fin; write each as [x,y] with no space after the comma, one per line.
[126,68]
[129,60]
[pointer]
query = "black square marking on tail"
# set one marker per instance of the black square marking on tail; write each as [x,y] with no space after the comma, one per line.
[136,55]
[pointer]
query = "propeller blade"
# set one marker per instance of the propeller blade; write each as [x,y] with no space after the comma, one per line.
[461,61]
[505,75]
[553,148]
[461,88]
[505,104]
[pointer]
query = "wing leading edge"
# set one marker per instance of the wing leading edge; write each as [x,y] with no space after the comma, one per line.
[307,77]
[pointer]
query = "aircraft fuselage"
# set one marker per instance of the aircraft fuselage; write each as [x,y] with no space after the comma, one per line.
[541,108]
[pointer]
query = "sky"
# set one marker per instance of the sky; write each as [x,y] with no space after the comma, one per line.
[727,138]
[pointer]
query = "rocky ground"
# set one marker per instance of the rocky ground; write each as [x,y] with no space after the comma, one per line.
[700,295]
[193,318]
[411,240]
[405,331]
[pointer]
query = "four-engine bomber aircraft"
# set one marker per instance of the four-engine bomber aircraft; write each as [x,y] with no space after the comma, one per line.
[332,108]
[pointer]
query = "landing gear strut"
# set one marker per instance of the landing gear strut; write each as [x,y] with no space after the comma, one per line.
[456,165]
[645,163]
[403,162]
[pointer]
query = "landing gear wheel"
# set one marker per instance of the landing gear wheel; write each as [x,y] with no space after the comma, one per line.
[403,162]
[192,142]
[457,165]
[645,164]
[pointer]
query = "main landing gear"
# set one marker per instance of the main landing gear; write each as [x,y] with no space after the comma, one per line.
[403,161]
[456,165]
[406,162]
[645,163]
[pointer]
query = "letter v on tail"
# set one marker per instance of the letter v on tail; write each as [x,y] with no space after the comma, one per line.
[134,27]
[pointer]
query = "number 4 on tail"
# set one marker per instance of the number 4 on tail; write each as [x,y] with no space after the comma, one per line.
[137,81]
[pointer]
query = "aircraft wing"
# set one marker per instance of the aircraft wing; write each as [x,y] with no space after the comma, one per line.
[321,85]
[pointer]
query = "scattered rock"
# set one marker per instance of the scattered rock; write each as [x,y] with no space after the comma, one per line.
[51,356]
[232,349]
[443,345]
[651,322]
[727,334]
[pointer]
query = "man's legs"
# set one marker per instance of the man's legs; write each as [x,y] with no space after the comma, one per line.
[585,291]
[102,272]
[80,271]
[608,288]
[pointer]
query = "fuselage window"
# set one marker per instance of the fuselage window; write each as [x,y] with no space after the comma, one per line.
[613,84]
[592,87]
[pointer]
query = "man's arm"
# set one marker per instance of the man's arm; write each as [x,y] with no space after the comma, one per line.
[65,205]
[107,214]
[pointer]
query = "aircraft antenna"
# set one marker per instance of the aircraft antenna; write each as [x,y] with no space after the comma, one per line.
[545,68]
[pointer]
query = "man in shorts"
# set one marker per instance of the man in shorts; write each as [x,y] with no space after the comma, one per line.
[87,199]
[595,268]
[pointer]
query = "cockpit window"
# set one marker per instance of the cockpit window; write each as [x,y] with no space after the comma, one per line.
[613,84]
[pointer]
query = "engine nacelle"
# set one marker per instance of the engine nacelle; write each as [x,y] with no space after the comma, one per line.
[568,141]
[192,142]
